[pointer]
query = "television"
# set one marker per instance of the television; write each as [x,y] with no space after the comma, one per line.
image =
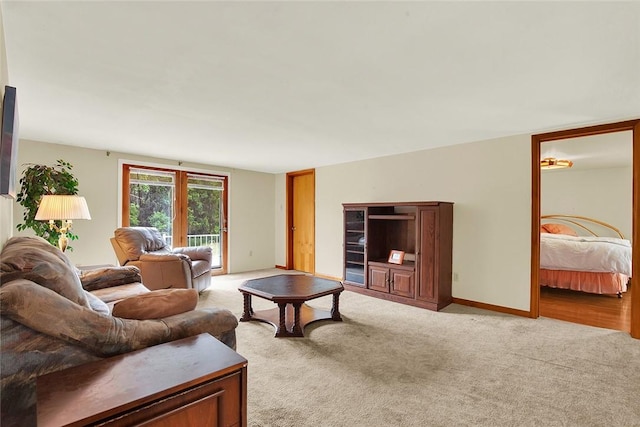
[9,143]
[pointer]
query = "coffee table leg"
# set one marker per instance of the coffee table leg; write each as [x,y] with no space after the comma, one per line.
[282,329]
[297,329]
[335,309]
[248,311]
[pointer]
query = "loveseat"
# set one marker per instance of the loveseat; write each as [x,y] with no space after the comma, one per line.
[54,316]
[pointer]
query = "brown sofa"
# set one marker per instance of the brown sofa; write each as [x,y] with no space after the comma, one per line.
[161,266]
[53,317]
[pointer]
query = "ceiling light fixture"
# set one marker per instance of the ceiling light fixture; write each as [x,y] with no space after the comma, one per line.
[553,163]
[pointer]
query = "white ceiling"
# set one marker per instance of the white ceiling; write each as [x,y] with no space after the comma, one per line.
[283,86]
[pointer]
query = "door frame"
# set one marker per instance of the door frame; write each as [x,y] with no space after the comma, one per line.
[289,238]
[536,141]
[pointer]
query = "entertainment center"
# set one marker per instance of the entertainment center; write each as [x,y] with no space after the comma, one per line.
[400,251]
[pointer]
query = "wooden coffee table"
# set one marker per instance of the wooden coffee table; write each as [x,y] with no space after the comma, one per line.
[290,291]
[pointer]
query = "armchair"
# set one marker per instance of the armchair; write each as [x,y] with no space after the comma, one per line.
[54,317]
[161,266]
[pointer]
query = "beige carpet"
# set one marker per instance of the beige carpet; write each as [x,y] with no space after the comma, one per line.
[389,364]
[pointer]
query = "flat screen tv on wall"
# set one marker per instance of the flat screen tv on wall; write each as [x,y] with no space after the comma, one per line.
[9,143]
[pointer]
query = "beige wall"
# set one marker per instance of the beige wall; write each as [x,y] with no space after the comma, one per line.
[280,219]
[603,194]
[492,211]
[251,204]
[6,204]
[251,220]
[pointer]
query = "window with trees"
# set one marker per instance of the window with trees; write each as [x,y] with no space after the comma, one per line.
[188,208]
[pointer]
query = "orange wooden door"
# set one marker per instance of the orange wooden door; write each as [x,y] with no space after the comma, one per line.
[302,221]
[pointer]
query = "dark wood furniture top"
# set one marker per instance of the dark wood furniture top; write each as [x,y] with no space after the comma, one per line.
[290,291]
[194,381]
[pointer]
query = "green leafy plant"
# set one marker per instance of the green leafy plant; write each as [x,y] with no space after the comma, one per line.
[40,180]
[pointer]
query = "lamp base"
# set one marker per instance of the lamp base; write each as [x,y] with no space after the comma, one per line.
[63,242]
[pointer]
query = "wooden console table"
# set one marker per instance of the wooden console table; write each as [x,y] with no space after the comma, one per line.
[196,381]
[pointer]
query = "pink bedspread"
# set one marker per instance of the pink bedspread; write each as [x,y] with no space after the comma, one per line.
[595,283]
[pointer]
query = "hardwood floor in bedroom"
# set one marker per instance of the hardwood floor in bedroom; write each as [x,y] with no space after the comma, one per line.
[604,311]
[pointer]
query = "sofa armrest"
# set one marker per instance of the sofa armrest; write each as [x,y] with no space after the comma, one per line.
[163,257]
[51,314]
[166,271]
[218,322]
[109,277]
[204,253]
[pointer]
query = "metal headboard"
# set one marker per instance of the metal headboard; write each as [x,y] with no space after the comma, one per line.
[575,220]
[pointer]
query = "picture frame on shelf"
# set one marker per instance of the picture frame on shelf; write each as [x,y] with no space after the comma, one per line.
[396,257]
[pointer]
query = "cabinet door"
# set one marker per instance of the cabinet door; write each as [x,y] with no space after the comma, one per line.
[427,286]
[379,278]
[354,246]
[403,282]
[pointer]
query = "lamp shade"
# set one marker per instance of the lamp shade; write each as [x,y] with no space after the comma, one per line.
[62,207]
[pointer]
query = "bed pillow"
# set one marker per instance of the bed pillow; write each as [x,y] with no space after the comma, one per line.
[558,229]
[156,304]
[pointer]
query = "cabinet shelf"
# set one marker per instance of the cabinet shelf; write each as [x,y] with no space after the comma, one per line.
[405,264]
[401,217]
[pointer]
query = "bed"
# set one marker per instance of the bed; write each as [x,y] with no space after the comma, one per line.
[573,256]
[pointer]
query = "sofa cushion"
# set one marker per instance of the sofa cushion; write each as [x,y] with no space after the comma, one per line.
[117,293]
[135,241]
[35,259]
[156,304]
[97,304]
[107,277]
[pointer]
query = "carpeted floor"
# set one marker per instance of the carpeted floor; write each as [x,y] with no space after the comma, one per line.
[389,364]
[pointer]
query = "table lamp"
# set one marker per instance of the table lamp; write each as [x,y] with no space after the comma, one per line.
[64,208]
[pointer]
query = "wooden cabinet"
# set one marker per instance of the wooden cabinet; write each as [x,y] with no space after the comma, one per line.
[196,381]
[422,230]
[397,280]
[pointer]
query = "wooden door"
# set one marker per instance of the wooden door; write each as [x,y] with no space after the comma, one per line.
[301,221]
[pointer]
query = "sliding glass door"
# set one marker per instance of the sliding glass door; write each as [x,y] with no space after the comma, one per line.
[152,200]
[188,208]
[205,214]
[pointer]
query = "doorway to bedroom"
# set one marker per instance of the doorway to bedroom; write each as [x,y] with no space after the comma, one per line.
[616,201]
[592,198]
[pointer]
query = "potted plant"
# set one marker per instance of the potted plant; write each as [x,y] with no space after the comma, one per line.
[37,181]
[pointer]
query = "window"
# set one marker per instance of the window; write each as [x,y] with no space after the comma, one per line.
[188,208]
